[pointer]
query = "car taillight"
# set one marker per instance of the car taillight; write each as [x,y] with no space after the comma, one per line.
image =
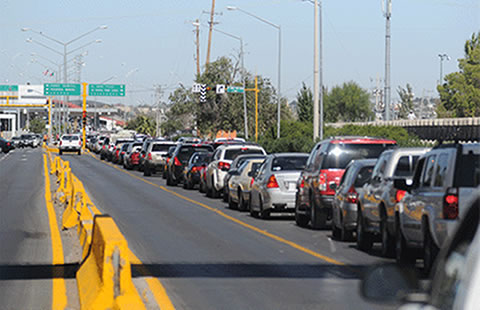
[272,182]
[399,195]
[195,169]
[103,147]
[223,165]
[80,142]
[123,153]
[352,195]
[302,184]
[177,162]
[450,204]
[251,182]
[8,143]
[322,181]
[60,142]
[149,156]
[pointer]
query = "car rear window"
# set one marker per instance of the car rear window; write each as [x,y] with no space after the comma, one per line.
[467,172]
[187,151]
[293,163]
[405,167]
[339,155]
[70,138]
[161,147]
[363,176]
[232,153]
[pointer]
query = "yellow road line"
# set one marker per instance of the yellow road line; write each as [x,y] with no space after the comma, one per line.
[59,292]
[228,217]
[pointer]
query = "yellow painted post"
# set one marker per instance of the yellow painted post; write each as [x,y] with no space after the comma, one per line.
[84,115]
[49,120]
[8,97]
[256,90]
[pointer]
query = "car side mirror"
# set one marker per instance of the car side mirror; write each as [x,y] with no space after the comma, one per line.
[389,283]
[401,184]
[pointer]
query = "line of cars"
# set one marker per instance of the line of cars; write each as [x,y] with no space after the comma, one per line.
[24,140]
[365,189]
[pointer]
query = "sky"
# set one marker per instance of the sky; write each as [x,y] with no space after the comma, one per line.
[149,43]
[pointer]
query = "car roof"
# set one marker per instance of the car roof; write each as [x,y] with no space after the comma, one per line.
[359,140]
[290,154]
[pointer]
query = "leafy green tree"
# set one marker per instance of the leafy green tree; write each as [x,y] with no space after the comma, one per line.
[406,100]
[347,103]
[305,104]
[460,94]
[142,124]
[37,125]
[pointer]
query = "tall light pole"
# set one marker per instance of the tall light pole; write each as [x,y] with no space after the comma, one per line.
[442,58]
[316,73]
[65,45]
[387,12]
[233,8]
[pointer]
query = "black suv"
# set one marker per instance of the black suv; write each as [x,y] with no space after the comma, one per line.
[180,158]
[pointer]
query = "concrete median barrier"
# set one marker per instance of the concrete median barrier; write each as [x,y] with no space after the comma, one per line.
[104,279]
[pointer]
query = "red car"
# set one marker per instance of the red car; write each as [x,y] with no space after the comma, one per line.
[324,169]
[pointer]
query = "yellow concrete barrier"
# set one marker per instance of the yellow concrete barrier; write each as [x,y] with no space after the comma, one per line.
[104,279]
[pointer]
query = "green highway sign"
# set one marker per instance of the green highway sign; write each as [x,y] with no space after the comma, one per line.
[109,90]
[235,89]
[11,88]
[59,89]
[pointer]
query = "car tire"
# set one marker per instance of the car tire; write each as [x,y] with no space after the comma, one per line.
[225,194]
[102,157]
[253,213]
[318,219]
[345,233]
[242,206]
[430,252]
[301,219]
[146,171]
[264,214]
[388,243]
[79,152]
[60,152]
[214,193]
[231,204]
[336,232]
[403,255]
[364,238]
[201,188]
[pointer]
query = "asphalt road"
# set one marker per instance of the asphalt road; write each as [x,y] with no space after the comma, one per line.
[208,260]
[25,246]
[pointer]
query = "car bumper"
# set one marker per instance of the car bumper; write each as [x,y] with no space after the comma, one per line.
[69,149]
[281,201]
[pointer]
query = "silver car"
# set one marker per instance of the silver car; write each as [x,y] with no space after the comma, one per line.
[275,184]
[344,208]
[240,183]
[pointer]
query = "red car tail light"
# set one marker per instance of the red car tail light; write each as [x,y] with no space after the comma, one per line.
[399,195]
[322,181]
[302,184]
[60,142]
[222,165]
[195,169]
[251,182]
[177,162]
[352,195]
[149,156]
[450,204]
[272,182]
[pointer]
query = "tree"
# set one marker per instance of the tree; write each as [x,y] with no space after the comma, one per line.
[460,94]
[37,125]
[305,104]
[143,124]
[406,98]
[347,103]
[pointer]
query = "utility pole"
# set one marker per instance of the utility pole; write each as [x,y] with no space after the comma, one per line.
[212,14]
[387,12]
[316,73]
[197,43]
[442,58]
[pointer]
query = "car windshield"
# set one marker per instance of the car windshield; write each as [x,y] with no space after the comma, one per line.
[292,163]
[232,153]
[70,138]
[339,155]
[158,147]
[187,151]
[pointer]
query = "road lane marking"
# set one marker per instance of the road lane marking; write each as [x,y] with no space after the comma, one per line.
[59,293]
[158,290]
[231,218]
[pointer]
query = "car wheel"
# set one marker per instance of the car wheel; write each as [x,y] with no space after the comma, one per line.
[430,252]
[60,152]
[388,243]
[403,254]
[345,234]
[264,214]
[318,218]
[214,192]
[301,219]
[225,194]
[336,233]
[146,171]
[253,213]
[102,157]
[79,152]
[231,203]
[364,238]
[201,187]
[242,206]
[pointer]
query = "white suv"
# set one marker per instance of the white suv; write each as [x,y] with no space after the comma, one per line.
[222,158]
[70,143]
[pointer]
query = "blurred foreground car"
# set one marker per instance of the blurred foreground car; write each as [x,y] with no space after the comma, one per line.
[455,280]
[274,187]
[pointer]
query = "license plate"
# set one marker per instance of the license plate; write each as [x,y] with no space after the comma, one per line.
[292,186]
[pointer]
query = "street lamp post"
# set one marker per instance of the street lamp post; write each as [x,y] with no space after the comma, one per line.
[442,58]
[65,45]
[278,27]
